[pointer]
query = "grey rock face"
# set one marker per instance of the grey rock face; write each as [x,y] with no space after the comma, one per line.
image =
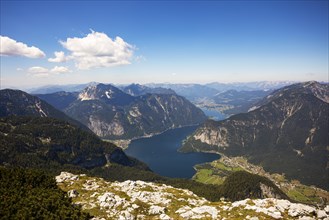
[113,114]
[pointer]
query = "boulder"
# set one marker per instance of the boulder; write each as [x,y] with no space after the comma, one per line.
[72,193]
[64,176]
[206,209]
[321,214]
[156,210]
[165,217]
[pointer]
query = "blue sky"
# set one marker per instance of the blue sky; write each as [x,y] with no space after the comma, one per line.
[162,41]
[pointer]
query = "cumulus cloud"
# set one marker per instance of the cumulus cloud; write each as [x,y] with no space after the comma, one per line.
[59,57]
[97,50]
[60,69]
[43,72]
[10,47]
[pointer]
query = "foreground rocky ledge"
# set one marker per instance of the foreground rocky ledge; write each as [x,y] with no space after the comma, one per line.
[143,200]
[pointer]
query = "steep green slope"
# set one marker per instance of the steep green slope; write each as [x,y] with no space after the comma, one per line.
[26,194]
[50,143]
[241,184]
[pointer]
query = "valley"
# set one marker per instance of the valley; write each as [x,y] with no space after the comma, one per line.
[161,154]
[184,150]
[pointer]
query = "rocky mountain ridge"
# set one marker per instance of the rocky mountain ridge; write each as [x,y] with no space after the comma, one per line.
[19,103]
[200,95]
[112,114]
[144,200]
[138,90]
[287,134]
[320,91]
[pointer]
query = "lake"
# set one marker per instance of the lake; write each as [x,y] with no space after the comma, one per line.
[160,153]
[213,114]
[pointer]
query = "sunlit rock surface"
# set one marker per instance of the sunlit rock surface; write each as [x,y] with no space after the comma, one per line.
[144,200]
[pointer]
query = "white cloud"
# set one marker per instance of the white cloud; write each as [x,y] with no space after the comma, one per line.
[98,50]
[10,47]
[60,69]
[59,57]
[39,71]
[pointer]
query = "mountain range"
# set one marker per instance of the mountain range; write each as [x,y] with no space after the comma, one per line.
[286,132]
[219,87]
[226,98]
[210,96]
[113,114]
[138,90]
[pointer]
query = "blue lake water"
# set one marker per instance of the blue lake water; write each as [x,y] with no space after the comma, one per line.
[213,114]
[160,153]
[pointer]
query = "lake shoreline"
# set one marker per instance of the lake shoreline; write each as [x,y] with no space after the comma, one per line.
[124,143]
[160,153]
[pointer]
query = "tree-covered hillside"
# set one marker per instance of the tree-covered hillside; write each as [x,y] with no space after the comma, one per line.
[26,194]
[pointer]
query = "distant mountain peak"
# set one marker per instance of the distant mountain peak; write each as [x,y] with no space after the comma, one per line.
[105,92]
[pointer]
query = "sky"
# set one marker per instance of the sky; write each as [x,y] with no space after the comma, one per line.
[72,42]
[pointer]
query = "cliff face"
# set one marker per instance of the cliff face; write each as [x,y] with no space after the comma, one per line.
[287,132]
[111,113]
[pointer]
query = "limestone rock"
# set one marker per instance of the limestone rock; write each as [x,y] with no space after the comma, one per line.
[134,200]
[155,210]
[64,176]
[165,217]
[321,214]
[72,193]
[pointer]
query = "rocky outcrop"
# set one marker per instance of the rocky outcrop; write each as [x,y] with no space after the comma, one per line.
[143,200]
[268,192]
